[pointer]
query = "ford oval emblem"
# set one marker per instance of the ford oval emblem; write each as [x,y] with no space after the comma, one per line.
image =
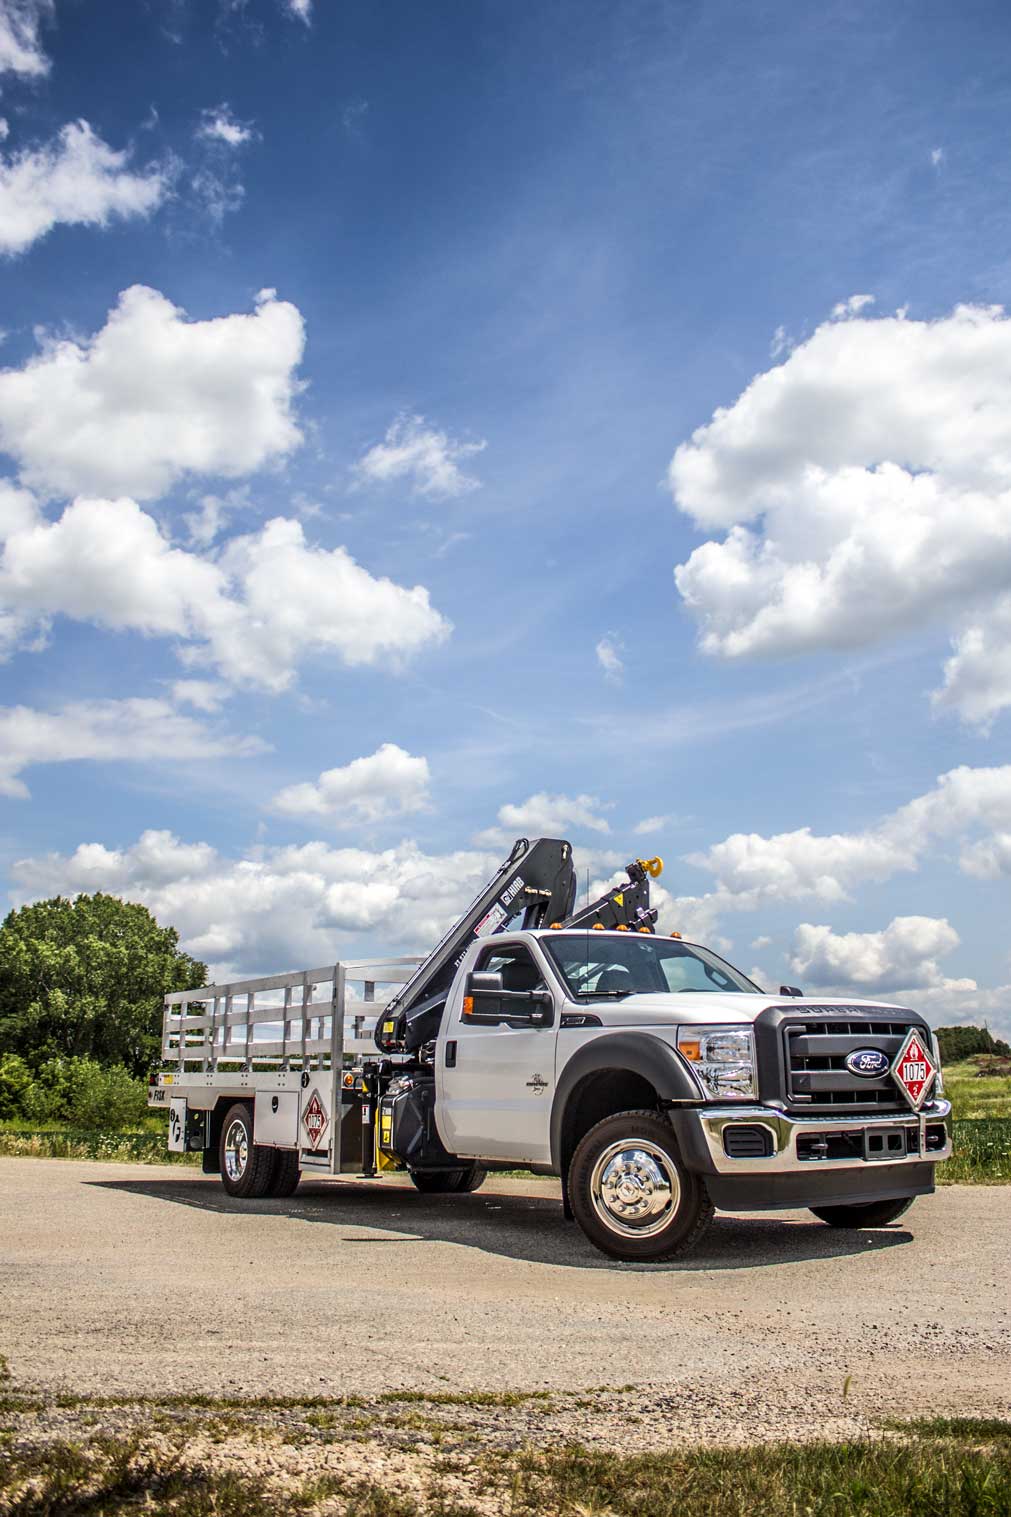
[871,1063]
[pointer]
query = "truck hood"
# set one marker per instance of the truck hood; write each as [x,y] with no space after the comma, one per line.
[697,1007]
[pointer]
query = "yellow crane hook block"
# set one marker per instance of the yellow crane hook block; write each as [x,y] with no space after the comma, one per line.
[653,867]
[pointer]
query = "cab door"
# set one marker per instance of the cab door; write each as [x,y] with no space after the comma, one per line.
[496,1070]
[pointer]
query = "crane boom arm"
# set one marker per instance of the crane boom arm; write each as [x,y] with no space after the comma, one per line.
[536,882]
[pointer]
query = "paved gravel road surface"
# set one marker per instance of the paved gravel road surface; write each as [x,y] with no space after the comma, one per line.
[148,1279]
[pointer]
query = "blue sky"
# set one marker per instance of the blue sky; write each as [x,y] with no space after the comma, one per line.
[521,257]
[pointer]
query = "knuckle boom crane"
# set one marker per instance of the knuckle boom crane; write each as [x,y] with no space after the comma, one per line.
[536,883]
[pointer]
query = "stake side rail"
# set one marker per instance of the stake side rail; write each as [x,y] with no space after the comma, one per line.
[308,1019]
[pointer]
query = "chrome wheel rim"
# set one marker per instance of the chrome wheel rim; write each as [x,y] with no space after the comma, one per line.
[634,1188]
[236,1150]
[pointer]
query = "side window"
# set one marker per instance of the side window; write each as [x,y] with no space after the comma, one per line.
[515,964]
[520,973]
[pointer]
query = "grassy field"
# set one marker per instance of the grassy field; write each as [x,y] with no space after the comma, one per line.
[973,1093]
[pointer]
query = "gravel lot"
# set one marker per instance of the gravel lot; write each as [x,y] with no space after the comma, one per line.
[147,1280]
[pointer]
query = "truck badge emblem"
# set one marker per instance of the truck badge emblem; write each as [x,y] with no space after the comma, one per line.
[870,1063]
[315,1120]
[537,1084]
[914,1069]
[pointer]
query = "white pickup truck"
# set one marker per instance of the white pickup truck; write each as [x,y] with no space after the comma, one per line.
[656,1080]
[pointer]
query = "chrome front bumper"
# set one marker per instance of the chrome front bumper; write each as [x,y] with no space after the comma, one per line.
[786,1129]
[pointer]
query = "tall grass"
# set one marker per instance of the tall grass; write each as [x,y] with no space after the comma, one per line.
[982,1153]
[122,1147]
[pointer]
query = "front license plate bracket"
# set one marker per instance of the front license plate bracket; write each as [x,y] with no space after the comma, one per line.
[883,1145]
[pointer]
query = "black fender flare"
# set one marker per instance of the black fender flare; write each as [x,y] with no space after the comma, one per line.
[639,1053]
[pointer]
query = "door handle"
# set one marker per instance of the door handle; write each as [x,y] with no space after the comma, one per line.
[451,1054]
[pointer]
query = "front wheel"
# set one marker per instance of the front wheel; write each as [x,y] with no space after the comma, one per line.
[871,1214]
[631,1193]
[444,1181]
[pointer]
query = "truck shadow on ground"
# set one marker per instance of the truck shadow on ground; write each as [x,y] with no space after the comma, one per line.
[530,1228]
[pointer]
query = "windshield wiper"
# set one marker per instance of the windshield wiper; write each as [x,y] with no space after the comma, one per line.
[602,995]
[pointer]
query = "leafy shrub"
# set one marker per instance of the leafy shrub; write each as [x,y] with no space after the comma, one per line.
[15,1085]
[83,1093]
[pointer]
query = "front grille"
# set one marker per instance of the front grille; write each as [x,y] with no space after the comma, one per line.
[816,1075]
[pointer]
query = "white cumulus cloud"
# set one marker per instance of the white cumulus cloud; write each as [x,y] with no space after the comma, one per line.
[254,612]
[752,870]
[901,957]
[21,49]
[388,783]
[544,815]
[977,677]
[864,487]
[153,397]
[428,458]
[277,908]
[124,730]
[76,180]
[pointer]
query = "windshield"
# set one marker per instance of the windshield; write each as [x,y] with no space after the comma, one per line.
[593,965]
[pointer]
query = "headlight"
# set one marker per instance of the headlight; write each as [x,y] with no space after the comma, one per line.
[723,1059]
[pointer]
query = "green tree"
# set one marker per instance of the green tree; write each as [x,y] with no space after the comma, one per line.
[958,1043]
[85,978]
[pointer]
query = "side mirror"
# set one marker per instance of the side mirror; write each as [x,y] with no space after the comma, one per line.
[484,982]
[790,990]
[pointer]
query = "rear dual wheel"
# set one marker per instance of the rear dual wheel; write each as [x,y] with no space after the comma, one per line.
[249,1170]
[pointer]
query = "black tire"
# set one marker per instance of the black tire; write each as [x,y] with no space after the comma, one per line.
[665,1210]
[247,1169]
[870,1214]
[284,1181]
[440,1182]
